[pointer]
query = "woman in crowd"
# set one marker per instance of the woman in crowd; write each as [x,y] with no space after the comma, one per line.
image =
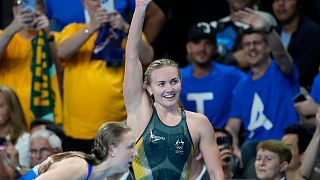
[14,136]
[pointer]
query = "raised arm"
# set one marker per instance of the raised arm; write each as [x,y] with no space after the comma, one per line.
[71,45]
[312,152]
[21,20]
[133,84]
[209,149]
[155,19]
[256,21]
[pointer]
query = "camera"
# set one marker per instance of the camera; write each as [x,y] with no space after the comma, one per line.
[226,141]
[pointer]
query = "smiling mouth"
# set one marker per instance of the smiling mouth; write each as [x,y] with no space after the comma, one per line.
[261,170]
[169,96]
[253,54]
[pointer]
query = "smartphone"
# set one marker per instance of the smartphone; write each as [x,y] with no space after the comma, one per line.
[107,5]
[29,4]
[3,144]
[226,141]
[299,98]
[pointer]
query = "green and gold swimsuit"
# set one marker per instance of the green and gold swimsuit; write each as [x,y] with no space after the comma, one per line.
[165,152]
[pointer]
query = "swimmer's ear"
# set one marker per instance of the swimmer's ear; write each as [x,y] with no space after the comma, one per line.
[149,90]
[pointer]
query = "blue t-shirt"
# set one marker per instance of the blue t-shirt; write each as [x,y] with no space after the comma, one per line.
[315,90]
[265,106]
[212,94]
[31,174]
[125,8]
[64,12]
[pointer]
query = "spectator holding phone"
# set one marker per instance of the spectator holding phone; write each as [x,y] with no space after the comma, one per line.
[308,108]
[155,17]
[93,54]
[230,162]
[16,54]
[14,153]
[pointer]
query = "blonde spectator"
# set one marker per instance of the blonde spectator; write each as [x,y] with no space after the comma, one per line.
[15,152]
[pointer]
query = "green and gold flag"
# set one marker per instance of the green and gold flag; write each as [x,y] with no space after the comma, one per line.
[42,67]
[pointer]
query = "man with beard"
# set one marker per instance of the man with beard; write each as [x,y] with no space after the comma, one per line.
[206,85]
[263,100]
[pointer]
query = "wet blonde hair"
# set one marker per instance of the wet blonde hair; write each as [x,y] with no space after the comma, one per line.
[157,64]
[17,119]
[110,133]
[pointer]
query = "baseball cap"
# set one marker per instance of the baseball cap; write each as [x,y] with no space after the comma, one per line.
[201,30]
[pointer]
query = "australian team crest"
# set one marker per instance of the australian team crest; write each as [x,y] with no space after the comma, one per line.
[179,146]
